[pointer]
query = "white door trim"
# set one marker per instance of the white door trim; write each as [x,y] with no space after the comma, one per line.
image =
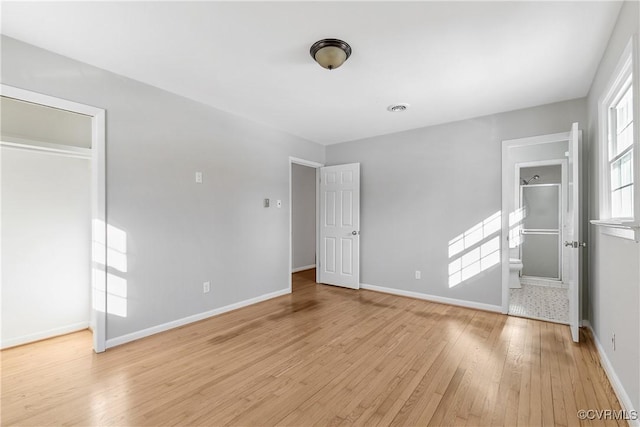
[317,167]
[507,199]
[98,195]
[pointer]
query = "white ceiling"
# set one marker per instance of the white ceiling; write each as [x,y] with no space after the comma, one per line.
[449,60]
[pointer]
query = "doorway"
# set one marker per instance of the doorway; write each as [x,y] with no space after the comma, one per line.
[541,228]
[303,220]
[36,154]
[337,223]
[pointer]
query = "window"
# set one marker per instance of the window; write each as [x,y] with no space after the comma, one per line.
[618,143]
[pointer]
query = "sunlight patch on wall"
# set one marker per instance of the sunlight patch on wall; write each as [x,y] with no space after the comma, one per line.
[477,249]
[109,283]
[516,227]
[99,287]
[117,295]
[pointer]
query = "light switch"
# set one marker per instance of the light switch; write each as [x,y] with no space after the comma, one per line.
[266,203]
[198,177]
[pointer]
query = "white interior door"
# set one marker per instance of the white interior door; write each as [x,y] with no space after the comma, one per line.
[573,238]
[340,225]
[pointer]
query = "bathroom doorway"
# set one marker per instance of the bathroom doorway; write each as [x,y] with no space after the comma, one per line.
[550,261]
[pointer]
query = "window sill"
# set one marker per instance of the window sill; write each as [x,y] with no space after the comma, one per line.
[629,230]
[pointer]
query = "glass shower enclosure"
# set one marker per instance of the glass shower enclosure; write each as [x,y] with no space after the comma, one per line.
[541,251]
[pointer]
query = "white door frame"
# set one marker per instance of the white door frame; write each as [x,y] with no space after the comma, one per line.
[98,200]
[508,198]
[317,167]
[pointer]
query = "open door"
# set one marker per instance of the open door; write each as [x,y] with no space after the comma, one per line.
[572,240]
[340,226]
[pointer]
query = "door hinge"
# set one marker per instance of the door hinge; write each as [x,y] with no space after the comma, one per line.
[575,244]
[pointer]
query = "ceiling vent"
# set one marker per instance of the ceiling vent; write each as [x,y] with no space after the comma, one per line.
[397,108]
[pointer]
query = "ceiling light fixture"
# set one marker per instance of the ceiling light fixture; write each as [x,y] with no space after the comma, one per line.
[397,108]
[330,53]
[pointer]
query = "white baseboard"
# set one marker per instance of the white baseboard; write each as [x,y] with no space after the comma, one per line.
[190,319]
[26,339]
[621,393]
[306,267]
[434,298]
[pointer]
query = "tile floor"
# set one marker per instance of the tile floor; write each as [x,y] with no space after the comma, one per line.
[540,302]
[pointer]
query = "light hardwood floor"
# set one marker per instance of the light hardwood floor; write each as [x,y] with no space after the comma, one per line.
[320,356]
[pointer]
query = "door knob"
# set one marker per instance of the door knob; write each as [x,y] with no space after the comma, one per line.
[568,244]
[355,233]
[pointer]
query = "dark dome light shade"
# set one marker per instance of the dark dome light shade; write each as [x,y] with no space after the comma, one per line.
[330,53]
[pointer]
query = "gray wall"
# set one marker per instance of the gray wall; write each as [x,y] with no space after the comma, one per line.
[303,216]
[614,263]
[179,234]
[422,188]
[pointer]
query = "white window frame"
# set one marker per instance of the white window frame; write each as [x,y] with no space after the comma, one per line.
[627,66]
[613,142]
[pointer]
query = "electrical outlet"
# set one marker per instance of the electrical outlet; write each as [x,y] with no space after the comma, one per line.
[206,287]
[198,177]
[418,274]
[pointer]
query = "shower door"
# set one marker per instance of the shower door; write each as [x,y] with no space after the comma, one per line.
[541,251]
